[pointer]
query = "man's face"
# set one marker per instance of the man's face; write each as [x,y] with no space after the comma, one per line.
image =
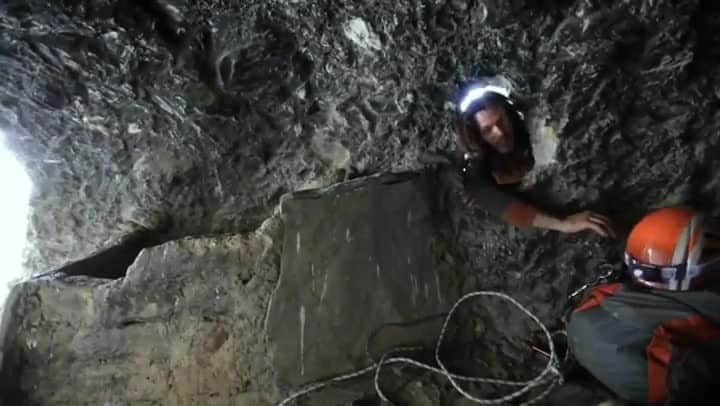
[495,129]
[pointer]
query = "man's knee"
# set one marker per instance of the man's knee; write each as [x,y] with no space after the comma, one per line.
[610,350]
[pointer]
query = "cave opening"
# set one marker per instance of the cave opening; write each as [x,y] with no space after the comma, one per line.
[14,210]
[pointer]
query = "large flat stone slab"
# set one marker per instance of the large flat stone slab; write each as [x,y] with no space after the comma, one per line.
[345,272]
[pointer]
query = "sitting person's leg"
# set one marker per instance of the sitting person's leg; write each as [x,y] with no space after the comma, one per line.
[612,350]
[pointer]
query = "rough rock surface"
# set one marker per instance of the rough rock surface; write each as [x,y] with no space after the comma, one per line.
[196,116]
[317,291]
[191,118]
[355,257]
[183,328]
[209,321]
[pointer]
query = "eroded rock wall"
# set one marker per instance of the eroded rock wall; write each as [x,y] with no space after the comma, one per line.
[185,327]
[195,116]
[191,118]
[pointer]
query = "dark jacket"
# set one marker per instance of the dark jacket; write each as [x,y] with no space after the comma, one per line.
[648,346]
[490,178]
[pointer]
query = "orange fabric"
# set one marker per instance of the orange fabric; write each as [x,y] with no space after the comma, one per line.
[654,238]
[693,329]
[520,214]
[598,295]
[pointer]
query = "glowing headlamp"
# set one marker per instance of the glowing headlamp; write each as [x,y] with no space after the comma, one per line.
[478,93]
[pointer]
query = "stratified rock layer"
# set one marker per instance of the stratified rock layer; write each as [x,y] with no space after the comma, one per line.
[183,328]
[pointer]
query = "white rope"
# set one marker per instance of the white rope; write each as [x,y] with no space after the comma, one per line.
[550,375]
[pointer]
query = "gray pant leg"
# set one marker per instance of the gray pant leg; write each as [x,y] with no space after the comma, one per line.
[612,350]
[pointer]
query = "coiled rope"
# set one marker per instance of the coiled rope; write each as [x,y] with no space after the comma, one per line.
[549,376]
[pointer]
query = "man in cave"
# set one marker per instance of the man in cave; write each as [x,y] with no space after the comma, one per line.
[655,338]
[497,154]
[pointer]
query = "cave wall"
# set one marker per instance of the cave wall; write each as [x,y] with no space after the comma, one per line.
[185,327]
[193,117]
[242,319]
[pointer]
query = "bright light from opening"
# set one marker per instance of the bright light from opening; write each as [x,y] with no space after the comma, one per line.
[14,208]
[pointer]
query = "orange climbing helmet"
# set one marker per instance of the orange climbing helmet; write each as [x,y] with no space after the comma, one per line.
[673,249]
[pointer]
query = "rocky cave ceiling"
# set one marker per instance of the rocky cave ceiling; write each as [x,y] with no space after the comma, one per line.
[193,117]
[147,121]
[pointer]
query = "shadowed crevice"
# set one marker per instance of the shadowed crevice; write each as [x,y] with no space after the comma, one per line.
[113,262]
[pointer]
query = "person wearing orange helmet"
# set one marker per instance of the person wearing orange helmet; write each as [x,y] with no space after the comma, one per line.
[497,155]
[655,338]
